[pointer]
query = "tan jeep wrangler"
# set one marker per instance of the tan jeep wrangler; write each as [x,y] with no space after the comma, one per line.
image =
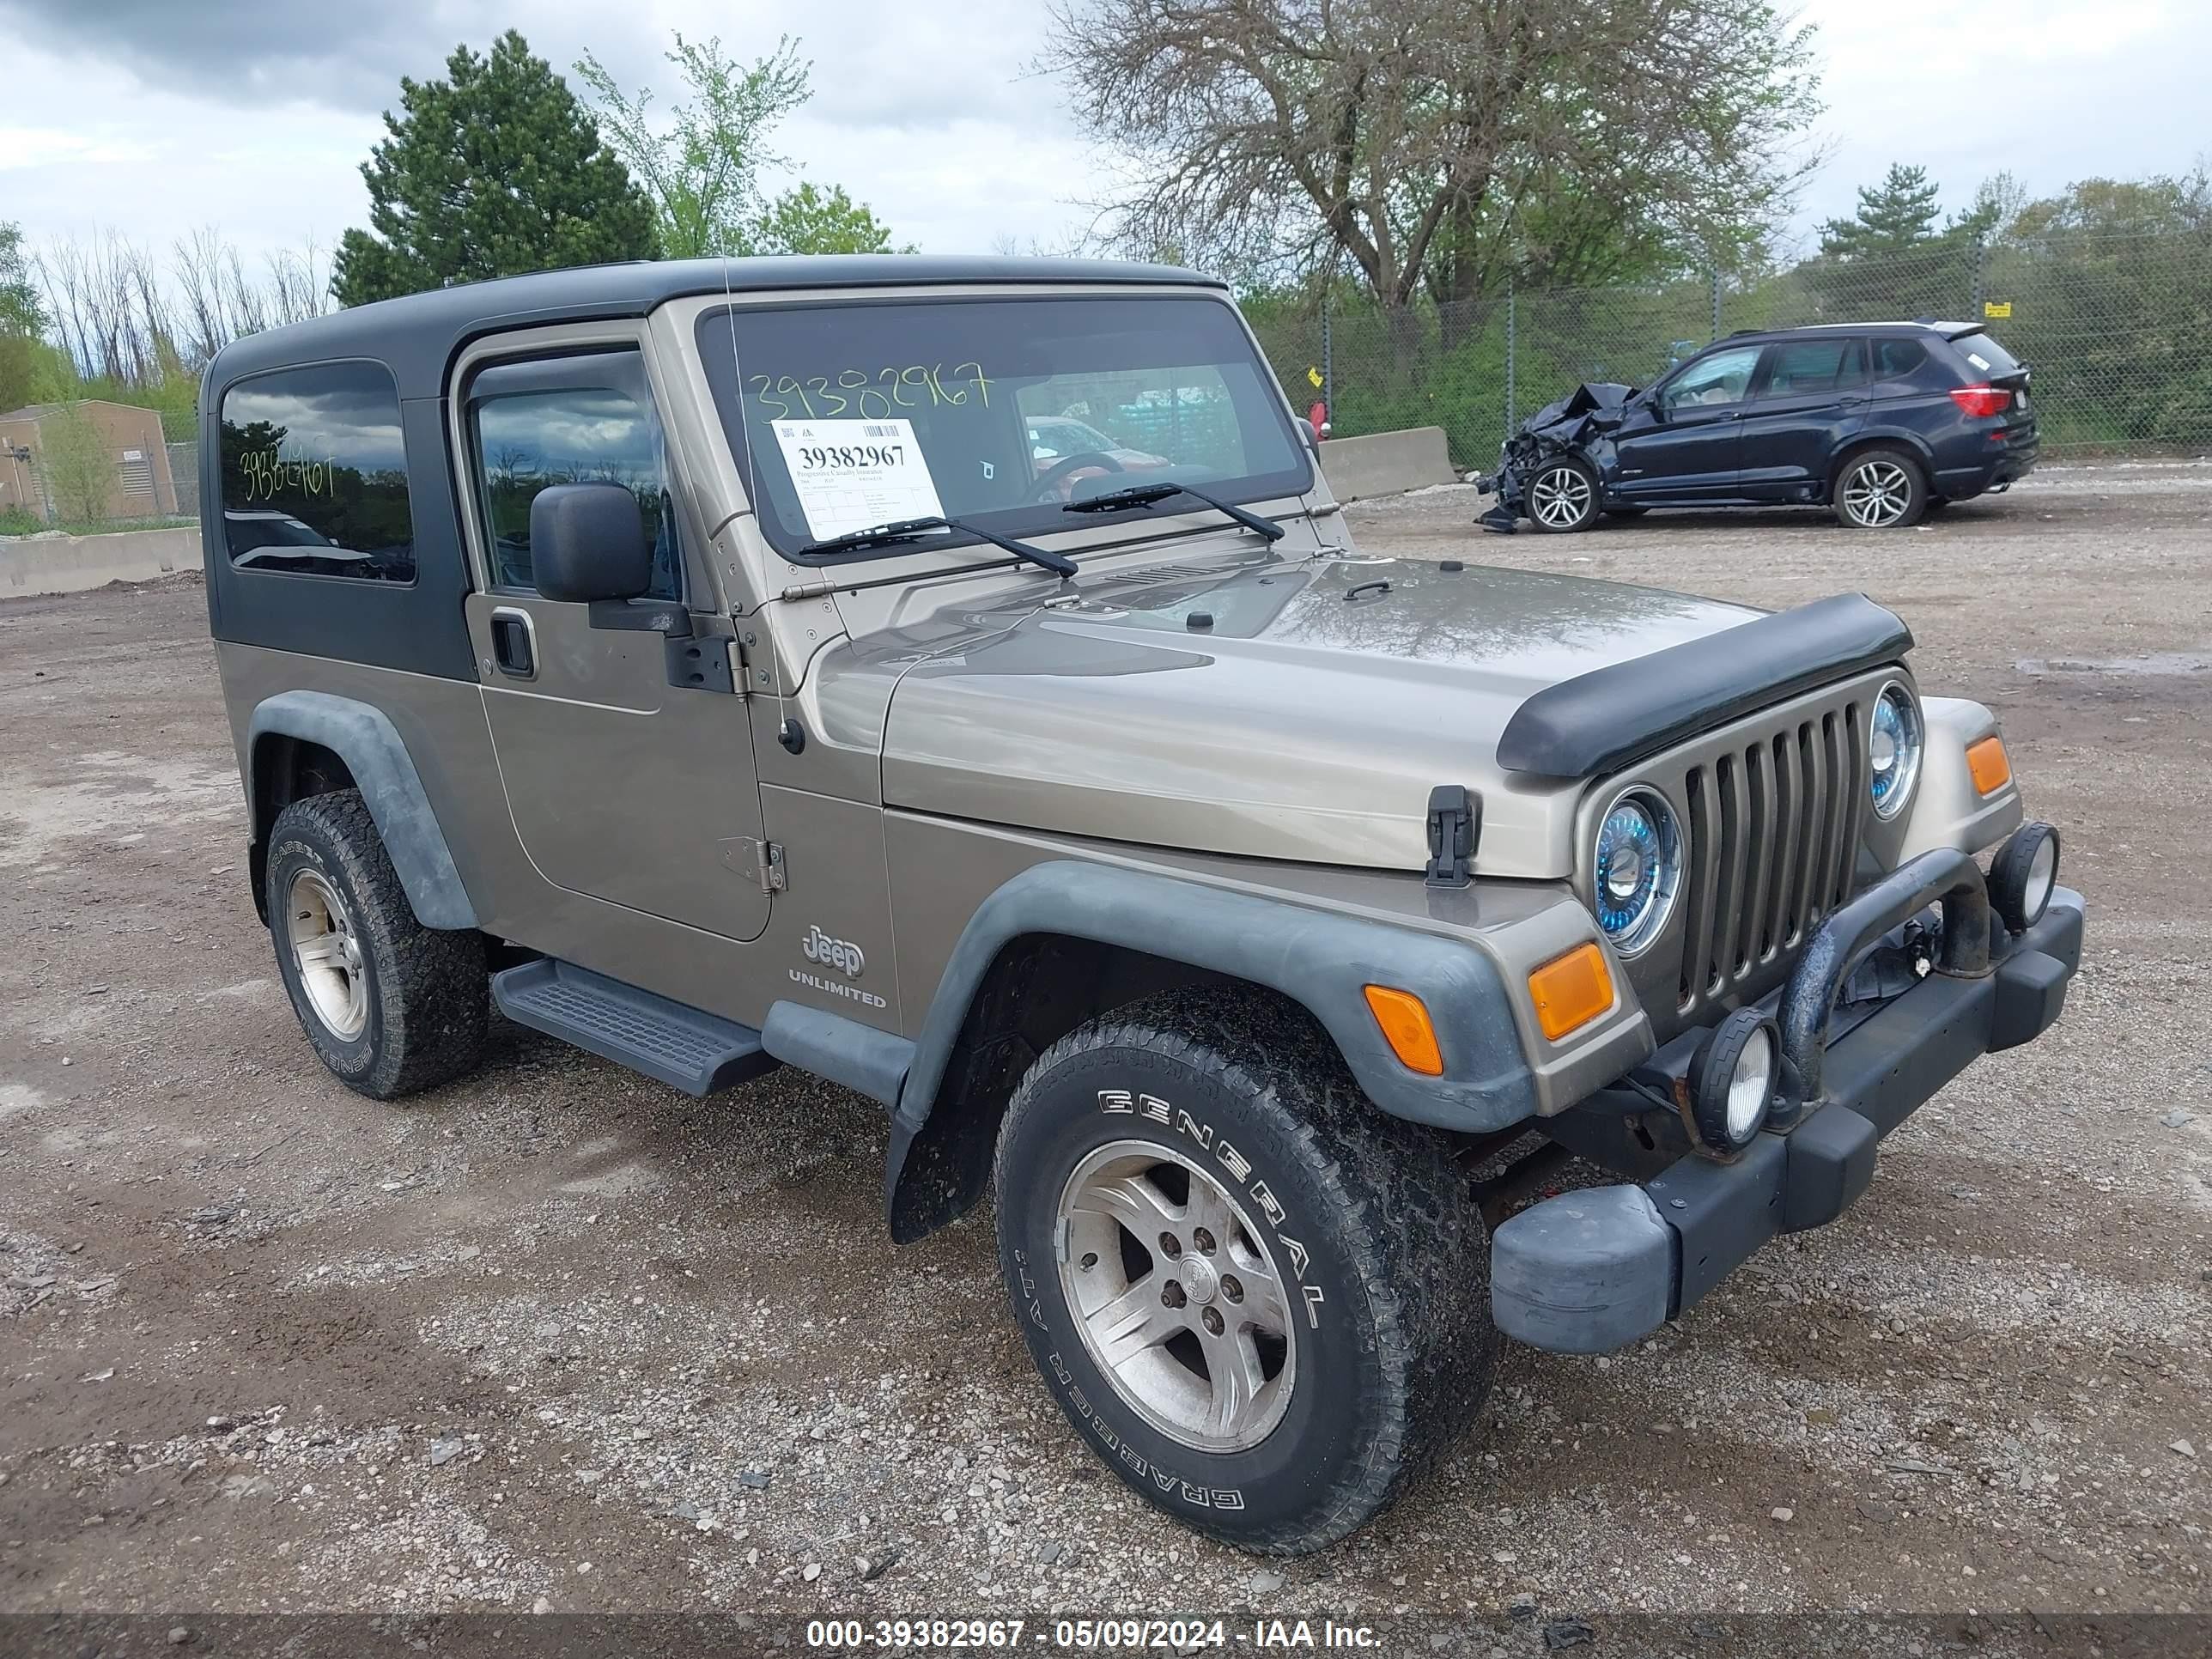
[953,677]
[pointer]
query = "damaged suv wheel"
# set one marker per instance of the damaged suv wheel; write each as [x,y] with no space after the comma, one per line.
[1563,496]
[1263,1302]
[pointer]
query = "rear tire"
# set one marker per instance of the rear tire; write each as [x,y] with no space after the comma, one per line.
[1206,1153]
[1880,488]
[1562,497]
[391,1006]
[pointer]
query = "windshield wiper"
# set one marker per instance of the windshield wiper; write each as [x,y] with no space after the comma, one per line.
[1150,494]
[911,530]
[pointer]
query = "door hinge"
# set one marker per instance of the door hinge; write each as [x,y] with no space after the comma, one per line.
[1455,827]
[700,664]
[758,861]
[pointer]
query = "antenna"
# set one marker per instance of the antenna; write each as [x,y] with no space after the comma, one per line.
[786,733]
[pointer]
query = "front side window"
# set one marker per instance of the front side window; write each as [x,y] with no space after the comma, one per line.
[1719,378]
[586,418]
[314,474]
[1000,411]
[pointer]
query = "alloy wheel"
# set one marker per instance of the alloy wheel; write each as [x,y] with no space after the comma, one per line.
[1877,493]
[1560,498]
[326,950]
[1177,1296]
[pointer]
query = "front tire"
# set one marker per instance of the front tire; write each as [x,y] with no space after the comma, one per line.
[1263,1301]
[1562,497]
[391,1006]
[1880,488]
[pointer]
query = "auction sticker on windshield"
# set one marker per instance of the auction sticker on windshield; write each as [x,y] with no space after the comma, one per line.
[855,475]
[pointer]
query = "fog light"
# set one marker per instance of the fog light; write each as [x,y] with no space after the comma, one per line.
[2024,875]
[1732,1081]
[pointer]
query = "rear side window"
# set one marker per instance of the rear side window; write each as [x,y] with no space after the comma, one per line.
[1799,367]
[314,474]
[1898,360]
[1988,360]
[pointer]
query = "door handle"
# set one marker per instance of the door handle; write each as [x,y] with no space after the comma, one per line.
[515,644]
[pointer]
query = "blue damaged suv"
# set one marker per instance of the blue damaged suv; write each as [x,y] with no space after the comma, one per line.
[1882,421]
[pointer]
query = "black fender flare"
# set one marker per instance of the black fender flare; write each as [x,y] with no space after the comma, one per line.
[1320,959]
[363,737]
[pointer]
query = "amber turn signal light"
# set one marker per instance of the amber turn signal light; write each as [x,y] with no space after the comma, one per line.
[1570,991]
[1990,764]
[1404,1019]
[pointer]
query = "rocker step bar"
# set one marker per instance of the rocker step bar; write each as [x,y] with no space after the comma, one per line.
[698,1053]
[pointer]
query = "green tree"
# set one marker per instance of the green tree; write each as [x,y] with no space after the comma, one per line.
[494,171]
[20,313]
[78,464]
[1439,148]
[806,219]
[1894,216]
[702,172]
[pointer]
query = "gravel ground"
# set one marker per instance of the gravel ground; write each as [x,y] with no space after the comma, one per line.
[558,1338]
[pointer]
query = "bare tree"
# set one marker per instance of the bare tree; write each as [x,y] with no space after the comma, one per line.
[1437,145]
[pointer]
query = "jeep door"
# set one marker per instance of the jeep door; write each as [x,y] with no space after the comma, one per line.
[622,786]
[1809,395]
[1689,450]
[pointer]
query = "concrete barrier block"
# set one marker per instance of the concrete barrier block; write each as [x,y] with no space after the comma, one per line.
[71,564]
[1387,463]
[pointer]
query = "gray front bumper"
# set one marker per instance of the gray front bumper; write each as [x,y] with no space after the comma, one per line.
[1591,1271]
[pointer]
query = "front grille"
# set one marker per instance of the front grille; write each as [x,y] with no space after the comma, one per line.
[1774,824]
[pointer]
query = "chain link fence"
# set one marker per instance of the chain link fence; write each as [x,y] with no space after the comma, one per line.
[2117,328]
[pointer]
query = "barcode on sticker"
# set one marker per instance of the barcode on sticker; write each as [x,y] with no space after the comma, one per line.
[873,431]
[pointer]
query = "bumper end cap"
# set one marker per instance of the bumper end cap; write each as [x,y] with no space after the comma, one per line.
[1586,1271]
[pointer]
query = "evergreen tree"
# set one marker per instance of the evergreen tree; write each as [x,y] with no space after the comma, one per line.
[1892,217]
[494,171]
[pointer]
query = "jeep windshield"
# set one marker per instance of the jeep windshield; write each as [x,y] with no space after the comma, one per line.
[998,412]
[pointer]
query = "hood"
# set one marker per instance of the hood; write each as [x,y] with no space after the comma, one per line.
[1604,399]
[1298,709]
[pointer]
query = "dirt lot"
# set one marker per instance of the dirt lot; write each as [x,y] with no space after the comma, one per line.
[560,1338]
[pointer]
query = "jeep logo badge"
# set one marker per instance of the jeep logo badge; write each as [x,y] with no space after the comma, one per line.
[847,959]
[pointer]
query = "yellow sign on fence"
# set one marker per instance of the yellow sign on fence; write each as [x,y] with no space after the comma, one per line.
[1314,374]
[1999,308]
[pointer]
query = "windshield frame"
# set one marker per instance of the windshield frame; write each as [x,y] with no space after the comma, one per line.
[706,335]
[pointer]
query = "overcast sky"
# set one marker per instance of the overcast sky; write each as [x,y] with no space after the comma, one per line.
[156,117]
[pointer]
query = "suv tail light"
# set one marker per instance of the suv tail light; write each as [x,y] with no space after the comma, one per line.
[1982,400]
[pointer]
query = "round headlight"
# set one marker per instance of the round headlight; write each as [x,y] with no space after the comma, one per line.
[1732,1079]
[1636,870]
[1893,746]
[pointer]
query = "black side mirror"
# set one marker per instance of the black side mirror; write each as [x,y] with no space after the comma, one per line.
[587,542]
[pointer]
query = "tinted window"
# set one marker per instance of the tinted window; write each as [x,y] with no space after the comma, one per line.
[314,474]
[1799,366]
[1001,410]
[1898,360]
[1985,356]
[586,419]
[1719,378]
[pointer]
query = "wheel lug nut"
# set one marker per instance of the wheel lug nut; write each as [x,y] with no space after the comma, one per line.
[1212,1318]
[1173,1294]
[1202,1242]
[1170,1246]
[1230,1288]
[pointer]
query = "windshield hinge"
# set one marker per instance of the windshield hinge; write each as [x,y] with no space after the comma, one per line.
[1455,827]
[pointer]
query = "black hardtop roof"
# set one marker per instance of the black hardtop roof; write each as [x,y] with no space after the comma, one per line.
[418,334]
